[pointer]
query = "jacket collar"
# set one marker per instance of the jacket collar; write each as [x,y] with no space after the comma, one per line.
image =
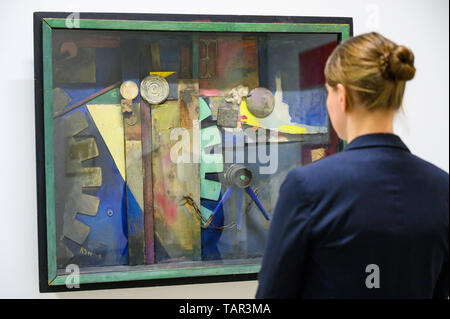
[376,140]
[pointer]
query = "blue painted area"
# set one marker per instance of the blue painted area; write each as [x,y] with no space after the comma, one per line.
[306,107]
[312,109]
[129,58]
[106,243]
[79,92]
[107,66]
[135,215]
[171,61]
[210,237]
[267,185]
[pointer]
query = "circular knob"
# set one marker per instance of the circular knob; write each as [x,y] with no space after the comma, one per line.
[239,176]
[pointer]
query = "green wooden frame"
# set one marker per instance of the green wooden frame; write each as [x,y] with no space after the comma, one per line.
[48,24]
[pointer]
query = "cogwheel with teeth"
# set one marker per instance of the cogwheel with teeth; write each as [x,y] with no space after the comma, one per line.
[71,179]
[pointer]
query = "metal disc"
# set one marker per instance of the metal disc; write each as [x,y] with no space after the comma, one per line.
[260,102]
[129,90]
[239,176]
[154,89]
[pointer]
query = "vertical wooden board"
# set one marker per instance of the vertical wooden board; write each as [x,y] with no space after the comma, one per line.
[49,151]
[148,181]
[156,62]
[188,95]
[145,65]
[135,188]
[176,225]
[194,39]
[186,62]
[189,103]
[129,53]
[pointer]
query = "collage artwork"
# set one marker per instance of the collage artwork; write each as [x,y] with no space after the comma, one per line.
[122,198]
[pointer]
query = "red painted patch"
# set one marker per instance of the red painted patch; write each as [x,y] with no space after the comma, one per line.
[168,207]
[312,65]
[236,64]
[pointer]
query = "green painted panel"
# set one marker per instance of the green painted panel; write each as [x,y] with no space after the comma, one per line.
[162,274]
[210,189]
[206,213]
[210,136]
[202,26]
[204,110]
[110,97]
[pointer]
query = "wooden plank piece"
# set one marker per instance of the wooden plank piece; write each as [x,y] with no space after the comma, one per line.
[177,225]
[146,131]
[133,158]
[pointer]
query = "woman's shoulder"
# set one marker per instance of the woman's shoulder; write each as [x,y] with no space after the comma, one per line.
[435,177]
[327,166]
[430,168]
[351,170]
[345,163]
[316,177]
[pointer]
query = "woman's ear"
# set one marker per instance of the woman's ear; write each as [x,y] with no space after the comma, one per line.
[342,97]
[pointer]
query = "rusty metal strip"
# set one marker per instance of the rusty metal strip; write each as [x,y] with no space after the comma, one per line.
[146,129]
[188,99]
[91,97]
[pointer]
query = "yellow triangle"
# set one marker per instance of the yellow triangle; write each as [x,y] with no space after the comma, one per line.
[109,121]
[163,74]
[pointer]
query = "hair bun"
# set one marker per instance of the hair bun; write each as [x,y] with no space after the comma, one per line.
[398,64]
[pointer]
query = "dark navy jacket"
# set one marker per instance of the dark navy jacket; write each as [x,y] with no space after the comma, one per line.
[374,203]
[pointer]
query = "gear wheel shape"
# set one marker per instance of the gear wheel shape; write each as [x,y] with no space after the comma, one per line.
[209,163]
[71,179]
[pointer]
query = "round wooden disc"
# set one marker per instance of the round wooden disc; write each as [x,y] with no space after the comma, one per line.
[129,90]
[154,89]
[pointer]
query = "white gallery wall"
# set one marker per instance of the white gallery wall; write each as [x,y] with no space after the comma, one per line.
[422,25]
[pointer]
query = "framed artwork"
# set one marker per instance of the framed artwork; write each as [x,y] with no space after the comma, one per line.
[162,141]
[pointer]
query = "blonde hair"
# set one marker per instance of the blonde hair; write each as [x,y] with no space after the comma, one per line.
[372,69]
